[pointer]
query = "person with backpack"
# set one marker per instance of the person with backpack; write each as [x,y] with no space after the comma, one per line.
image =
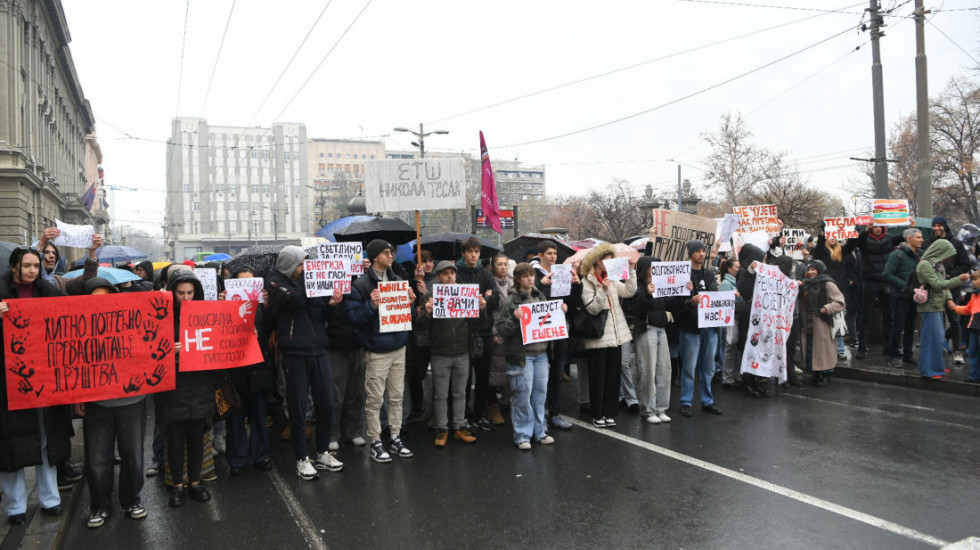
[899,272]
[931,274]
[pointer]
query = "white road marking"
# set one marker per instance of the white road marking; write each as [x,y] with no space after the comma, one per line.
[889,413]
[972,543]
[771,487]
[302,521]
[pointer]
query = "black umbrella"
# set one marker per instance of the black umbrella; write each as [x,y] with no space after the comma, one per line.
[261,258]
[519,247]
[447,246]
[113,254]
[393,230]
[5,250]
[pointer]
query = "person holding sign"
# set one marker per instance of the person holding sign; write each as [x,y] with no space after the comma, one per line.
[557,349]
[51,257]
[875,245]
[29,437]
[819,300]
[652,353]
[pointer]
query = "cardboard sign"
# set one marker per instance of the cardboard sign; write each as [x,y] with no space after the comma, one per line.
[209,280]
[670,278]
[414,184]
[770,321]
[795,242]
[394,308]
[542,322]
[761,217]
[322,276]
[87,348]
[561,280]
[455,301]
[218,335]
[890,212]
[843,228]
[617,269]
[716,309]
[672,229]
[249,289]
[352,252]
[73,236]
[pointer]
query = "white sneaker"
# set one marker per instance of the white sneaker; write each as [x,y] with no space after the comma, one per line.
[663,417]
[358,442]
[305,470]
[547,440]
[652,419]
[219,445]
[328,461]
[524,445]
[334,446]
[958,358]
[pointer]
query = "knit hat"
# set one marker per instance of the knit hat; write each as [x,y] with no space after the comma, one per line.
[941,220]
[444,265]
[693,246]
[377,246]
[98,282]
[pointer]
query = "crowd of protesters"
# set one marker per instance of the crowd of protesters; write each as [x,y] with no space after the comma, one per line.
[338,380]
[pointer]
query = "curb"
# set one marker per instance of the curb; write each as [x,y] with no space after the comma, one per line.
[68,512]
[893,378]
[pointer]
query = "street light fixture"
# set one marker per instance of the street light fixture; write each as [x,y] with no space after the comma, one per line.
[421,134]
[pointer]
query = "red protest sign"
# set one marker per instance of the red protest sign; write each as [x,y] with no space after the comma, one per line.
[87,348]
[218,335]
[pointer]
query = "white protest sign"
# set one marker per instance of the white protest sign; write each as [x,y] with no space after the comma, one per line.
[414,184]
[245,289]
[795,242]
[761,217]
[716,309]
[394,308]
[617,269]
[352,252]
[73,236]
[209,280]
[843,228]
[770,321]
[543,321]
[455,301]
[759,239]
[322,276]
[727,227]
[670,278]
[561,280]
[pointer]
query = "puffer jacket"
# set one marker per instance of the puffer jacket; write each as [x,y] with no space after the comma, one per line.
[972,308]
[365,318]
[509,328]
[874,252]
[597,298]
[935,277]
[899,266]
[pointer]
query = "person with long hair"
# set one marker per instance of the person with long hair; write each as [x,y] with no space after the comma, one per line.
[820,300]
[838,264]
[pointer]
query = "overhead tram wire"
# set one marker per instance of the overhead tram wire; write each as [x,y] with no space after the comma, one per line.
[217,57]
[968,54]
[770,6]
[180,80]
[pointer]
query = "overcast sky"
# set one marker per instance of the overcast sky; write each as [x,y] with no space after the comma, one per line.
[518,70]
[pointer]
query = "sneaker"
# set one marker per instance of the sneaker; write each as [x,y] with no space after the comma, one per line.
[154,469]
[958,358]
[841,356]
[663,417]
[441,437]
[485,424]
[210,476]
[199,492]
[610,422]
[328,461]
[358,442]
[909,361]
[559,423]
[334,446]
[378,452]
[862,353]
[219,445]
[547,440]
[652,419]
[686,410]
[397,447]
[135,511]
[524,445]
[63,483]
[599,422]
[465,436]
[305,470]
[98,517]
[895,362]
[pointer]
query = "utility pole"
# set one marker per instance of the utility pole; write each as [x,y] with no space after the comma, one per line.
[680,189]
[878,97]
[923,180]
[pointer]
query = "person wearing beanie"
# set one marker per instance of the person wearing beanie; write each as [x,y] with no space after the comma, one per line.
[377,246]
[961,265]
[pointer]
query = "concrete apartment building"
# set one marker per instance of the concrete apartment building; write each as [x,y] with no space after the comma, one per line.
[337,171]
[518,183]
[49,156]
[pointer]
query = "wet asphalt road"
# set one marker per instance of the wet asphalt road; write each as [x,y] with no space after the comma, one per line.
[792,471]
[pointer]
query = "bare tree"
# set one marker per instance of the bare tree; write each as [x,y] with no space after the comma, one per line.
[954,122]
[735,164]
[577,215]
[799,205]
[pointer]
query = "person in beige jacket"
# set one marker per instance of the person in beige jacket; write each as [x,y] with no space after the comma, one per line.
[600,293]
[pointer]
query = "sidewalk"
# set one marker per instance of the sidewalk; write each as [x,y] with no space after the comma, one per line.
[875,369]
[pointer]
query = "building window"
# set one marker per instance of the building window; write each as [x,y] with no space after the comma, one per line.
[265,155]
[197,207]
[355,157]
[330,155]
[255,153]
[347,156]
[265,189]
[254,188]
[347,168]
[295,156]
[321,155]
[372,157]
[187,188]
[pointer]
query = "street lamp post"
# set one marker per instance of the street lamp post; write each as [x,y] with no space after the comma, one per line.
[421,145]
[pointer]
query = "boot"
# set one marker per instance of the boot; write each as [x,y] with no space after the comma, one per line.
[495,415]
[763,385]
[823,379]
[750,387]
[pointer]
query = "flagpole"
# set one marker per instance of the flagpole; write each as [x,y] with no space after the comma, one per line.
[418,241]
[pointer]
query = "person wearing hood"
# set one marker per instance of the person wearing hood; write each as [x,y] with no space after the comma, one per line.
[145,271]
[303,343]
[959,265]
[819,300]
[730,375]
[931,272]
[901,263]
[652,354]
[51,262]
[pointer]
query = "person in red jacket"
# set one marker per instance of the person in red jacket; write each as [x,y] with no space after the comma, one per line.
[972,308]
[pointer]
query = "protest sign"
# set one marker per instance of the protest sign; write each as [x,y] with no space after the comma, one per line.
[761,217]
[352,252]
[455,301]
[716,309]
[73,236]
[672,229]
[759,239]
[770,320]
[795,242]
[727,227]
[209,280]
[87,348]
[617,269]
[843,228]
[322,276]
[561,280]
[217,335]
[416,184]
[670,278]
[891,212]
[394,308]
[543,321]
[245,289]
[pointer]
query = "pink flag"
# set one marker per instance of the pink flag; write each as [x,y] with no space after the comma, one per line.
[488,190]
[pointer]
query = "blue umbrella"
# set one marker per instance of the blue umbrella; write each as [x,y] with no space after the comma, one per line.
[114,254]
[405,252]
[327,231]
[219,257]
[113,275]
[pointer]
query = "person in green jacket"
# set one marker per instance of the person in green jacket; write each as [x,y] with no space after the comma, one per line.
[931,273]
[900,264]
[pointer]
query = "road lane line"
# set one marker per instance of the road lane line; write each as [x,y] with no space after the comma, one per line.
[900,416]
[771,487]
[310,533]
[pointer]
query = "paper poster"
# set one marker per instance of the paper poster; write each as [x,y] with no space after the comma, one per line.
[322,276]
[394,309]
[209,280]
[561,280]
[73,236]
[890,212]
[770,320]
[761,217]
[727,227]
[670,278]
[218,335]
[672,229]
[795,242]
[87,348]
[245,289]
[617,269]
[716,309]
[543,321]
[844,228]
[414,184]
[759,239]
[455,301]
[352,252]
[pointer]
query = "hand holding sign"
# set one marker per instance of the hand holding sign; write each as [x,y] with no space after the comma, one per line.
[73,236]
[617,269]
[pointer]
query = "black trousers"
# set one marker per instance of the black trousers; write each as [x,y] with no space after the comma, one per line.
[105,429]
[309,375]
[875,297]
[604,368]
[557,353]
[903,321]
[189,434]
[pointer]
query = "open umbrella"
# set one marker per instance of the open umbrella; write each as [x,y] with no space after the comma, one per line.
[115,254]
[393,230]
[328,230]
[219,257]
[5,250]
[519,247]
[621,250]
[447,246]
[114,275]
[260,257]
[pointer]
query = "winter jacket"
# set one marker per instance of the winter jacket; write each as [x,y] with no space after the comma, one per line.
[899,266]
[448,337]
[648,311]
[874,252]
[365,318]
[685,312]
[840,271]
[466,275]
[597,298]
[972,308]
[340,333]
[74,286]
[935,277]
[509,328]
[745,284]
[962,262]
[299,321]
[260,377]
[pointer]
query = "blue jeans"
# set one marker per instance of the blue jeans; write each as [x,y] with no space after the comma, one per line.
[974,353]
[529,387]
[697,357]
[931,339]
[15,487]
[240,446]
